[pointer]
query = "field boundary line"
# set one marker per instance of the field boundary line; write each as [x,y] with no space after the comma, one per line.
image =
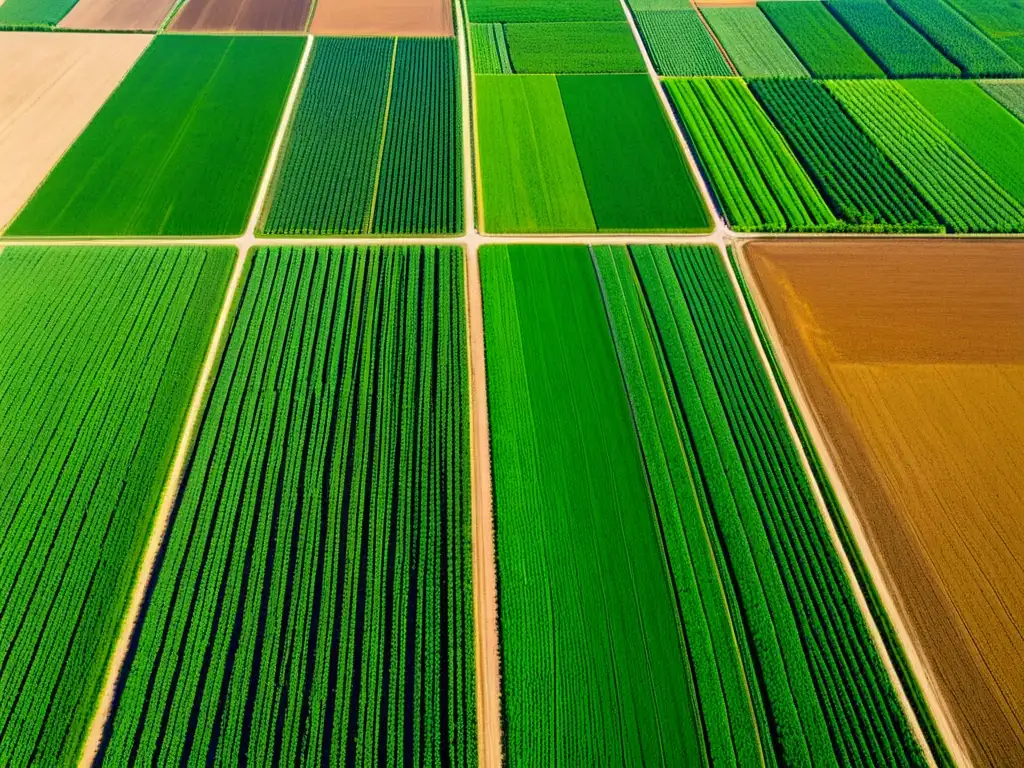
[269,170]
[934,700]
[720,230]
[485,585]
[168,497]
[383,139]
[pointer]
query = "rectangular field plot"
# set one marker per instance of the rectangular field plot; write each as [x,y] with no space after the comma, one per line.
[33,14]
[1003,22]
[50,87]
[101,351]
[953,185]
[573,47]
[626,396]
[909,356]
[859,183]
[825,48]
[680,44]
[242,16]
[313,604]
[757,180]
[897,47]
[375,143]
[489,49]
[543,10]
[179,147]
[145,15]
[752,44]
[417,18]
[576,152]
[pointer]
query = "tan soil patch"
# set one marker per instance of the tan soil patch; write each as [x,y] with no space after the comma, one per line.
[911,355]
[414,18]
[242,16]
[146,15]
[50,87]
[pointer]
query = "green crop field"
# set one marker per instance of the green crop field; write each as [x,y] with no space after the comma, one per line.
[653,391]
[366,153]
[32,14]
[313,604]
[542,10]
[757,180]
[821,43]
[859,183]
[1008,93]
[895,45]
[595,669]
[634,171]
[1002,21]
[965,198]
[981,126]
[961,41]
[101,351]
[180,146]
[490,49]
[751,42]
[680,44]
[530,179]
[573,47]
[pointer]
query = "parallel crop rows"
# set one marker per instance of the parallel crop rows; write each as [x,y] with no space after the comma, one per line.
[680,44]
[313,603]
[99,350]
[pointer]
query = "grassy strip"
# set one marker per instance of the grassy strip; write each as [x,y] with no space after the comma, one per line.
[313,602]
[100,350]
[893,645]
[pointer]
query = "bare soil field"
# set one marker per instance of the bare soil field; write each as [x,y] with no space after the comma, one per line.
[410,18]
[50,87]
[911,355]
[242,16]
[128,15]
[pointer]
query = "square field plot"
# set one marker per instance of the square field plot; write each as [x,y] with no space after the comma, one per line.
[50,87]
[178,149]
[679,43]
[375,145]
[751,42]
[579,153]
[102,349]
[314,603]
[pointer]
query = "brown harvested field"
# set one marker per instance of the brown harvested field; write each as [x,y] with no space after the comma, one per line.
[50,87]
[242,16]
[412,18]
[910,354]
[145,15]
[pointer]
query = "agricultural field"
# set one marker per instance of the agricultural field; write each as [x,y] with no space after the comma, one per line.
[242,16]
[652,382]
[112,15]
[489,49]
[981,126]
[567,47]
[859,183]
[680,44]
[962,42]
[897,47]
[752,44]
[366,153]
[415,18]
[820,42]
[50,87]
[953,185]
[33,14]
[313,603]
[101,350]
[575,153]
[758,182]
[1008,93]
[507,11]
[1001,21]
[908,355]
[197,172]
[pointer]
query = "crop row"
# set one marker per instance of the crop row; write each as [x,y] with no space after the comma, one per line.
[313,601]
[375,143]
[99,349]
[680,44]
[822,44]
[751,42]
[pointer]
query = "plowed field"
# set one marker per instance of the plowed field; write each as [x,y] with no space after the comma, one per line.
[418,18]
[911,355]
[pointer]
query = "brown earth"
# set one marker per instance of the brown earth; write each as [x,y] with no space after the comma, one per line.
[242,16]
[911,355]
[146,15]
[50,87]
[415,18]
